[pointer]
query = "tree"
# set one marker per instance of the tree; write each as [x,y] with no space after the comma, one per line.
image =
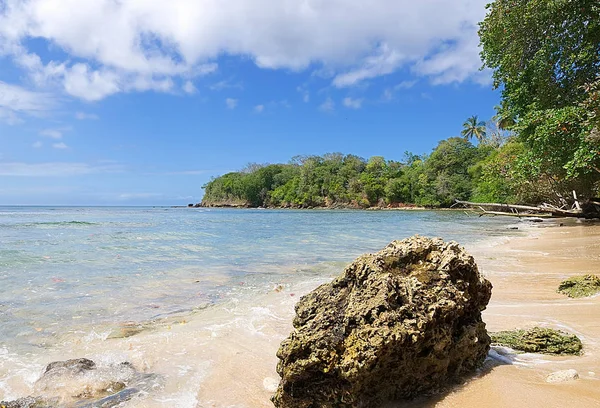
[473,127]
[544,55]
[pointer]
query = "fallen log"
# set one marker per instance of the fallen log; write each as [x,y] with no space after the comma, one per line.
[543,211]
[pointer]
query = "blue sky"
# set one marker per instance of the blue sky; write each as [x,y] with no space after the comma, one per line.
[140,103]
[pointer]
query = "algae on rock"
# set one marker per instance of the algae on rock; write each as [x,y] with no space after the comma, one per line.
[396,324]
[539,340]
[580,286]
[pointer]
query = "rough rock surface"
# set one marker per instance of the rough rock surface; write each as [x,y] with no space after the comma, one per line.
[396,324]
[539,340]
[80,382]
[580,286]
[562,376]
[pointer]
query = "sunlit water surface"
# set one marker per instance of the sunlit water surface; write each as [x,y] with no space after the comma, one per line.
[68,272]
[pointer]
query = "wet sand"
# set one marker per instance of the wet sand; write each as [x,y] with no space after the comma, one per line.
[225,356]
[525,273]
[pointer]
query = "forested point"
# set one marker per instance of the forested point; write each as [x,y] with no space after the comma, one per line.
[543,144]
[456,169]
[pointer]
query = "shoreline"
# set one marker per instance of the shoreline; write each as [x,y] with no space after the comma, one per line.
[525,272]
[225,355]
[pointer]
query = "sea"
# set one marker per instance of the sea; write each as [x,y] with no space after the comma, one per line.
[198,297]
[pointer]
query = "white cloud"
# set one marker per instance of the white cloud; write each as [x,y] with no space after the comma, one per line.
[16,101]
[226,84]
[405,85]
[259,108]
[57,169]
[60,146]
[133,45]
[385,61]
[353,103]
[52,133]
[328,105]
[388,93]
[454,62]
[86,116]
[37,145]
[189,88]
[231,103]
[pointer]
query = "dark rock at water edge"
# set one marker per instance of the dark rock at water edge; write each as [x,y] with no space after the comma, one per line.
[81,383]
[400,323]
[539,340]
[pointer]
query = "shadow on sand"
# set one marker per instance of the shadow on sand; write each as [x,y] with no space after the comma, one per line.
[497,356]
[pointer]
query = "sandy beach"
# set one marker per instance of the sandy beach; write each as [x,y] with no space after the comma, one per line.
[224,356]
[525,273]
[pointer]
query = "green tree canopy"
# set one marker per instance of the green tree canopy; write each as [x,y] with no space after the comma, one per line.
[545,56]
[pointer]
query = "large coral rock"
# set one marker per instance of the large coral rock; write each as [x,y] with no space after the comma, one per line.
[396,324]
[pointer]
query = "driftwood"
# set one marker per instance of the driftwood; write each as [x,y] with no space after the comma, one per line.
[587,209]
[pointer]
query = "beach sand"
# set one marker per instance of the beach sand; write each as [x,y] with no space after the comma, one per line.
[525,273]
[225,356]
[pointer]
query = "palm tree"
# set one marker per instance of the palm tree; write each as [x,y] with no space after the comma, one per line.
[473,127]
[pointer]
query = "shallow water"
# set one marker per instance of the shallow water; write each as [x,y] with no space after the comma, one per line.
[219,283]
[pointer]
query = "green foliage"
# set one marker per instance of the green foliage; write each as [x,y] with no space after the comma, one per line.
[350,181]
[545,55]
[541,51]
[474,128]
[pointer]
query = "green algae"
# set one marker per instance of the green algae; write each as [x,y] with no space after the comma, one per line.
[539,340]
[580,286]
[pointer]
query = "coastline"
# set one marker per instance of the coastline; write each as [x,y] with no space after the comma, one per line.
[525,272]
[224,355]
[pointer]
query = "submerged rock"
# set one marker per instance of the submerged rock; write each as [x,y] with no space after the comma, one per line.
[81,383]
[396,324]
[539,340]
[580,286]
[562,376]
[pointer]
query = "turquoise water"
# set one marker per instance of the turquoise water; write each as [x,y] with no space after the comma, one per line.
[68,269]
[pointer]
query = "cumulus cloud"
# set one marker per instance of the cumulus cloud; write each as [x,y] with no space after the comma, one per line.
[132,45]
[231,103]
[259,108]
[352,103]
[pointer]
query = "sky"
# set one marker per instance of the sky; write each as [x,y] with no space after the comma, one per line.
[141,102]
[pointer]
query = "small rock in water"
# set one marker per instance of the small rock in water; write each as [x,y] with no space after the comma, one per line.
[396,324]
[562,376]
[80,381]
